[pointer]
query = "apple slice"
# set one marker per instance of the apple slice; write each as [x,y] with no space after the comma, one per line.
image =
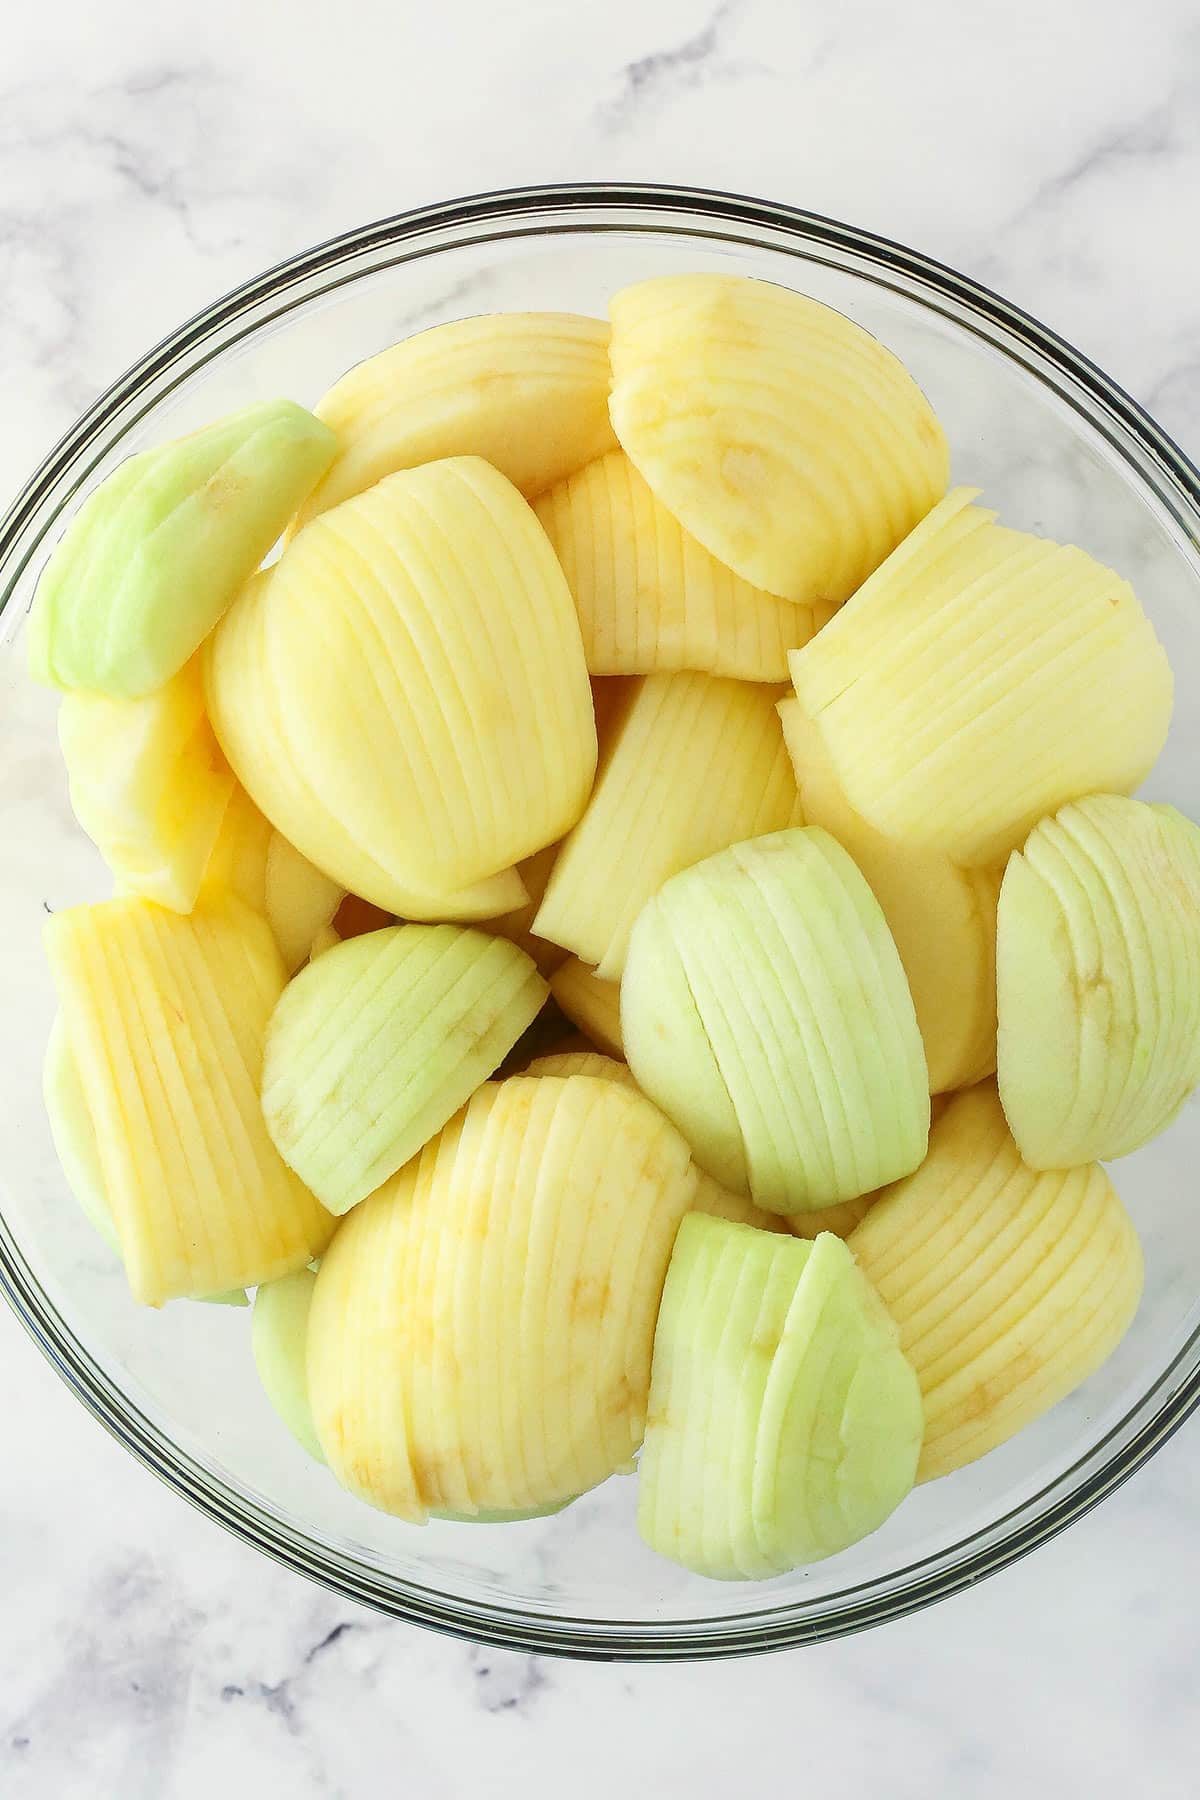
[1009,1286]
[783,436]
[942,918]
[764,1008]
[75,1141]
[979,680]
[156,555]
[481,1335]
[650,597]
[165,1017]
[527,392]
[692,763]
[279,1338]
[404,692]
[582,1062]
[373,1047]
[785,1422]
[300,900]
[1099,968]
[517,926]
[148,784]
[592,1004]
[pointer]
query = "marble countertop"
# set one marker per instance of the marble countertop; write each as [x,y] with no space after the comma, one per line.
[151,158]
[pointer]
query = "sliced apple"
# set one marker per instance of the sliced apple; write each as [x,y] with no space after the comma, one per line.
[481,1335]
[373,1047]
[979,680]
[517,926]
[156,555]
[764,1008]
[1009,1286]
[650,597]
[1099,966]
[943,918]
[300,900]
[148,784]
[279,1337]
[527,392]
[592,1004]
[404,692]
[692,763]
[783,436]
[166,1018]
[785,1422]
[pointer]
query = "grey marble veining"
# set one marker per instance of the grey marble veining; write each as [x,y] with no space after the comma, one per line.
[148,161]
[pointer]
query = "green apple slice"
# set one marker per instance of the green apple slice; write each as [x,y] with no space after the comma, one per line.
[785,1423]
[1098,972]
[375,1045]
[279,1338]
[765,1009]
[160,550]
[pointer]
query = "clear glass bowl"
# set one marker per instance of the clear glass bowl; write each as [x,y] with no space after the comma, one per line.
[1058,449]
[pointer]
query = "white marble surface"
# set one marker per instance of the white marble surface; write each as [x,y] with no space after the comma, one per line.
[151,157]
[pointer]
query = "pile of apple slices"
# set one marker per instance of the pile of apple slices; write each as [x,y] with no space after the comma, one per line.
[646,678]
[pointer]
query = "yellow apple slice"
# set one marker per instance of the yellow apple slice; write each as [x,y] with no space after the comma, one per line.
[942,918]
[582,1062]
[374,1046]
[148,784]
[517,925]
[692,763]
[765,1010]
[785,1422]
[1099,966]
[300,900]
[979,680]
[783,436]
[404,693]
[238,864]
[1009,1286]
[166,1018]
[481,1334]
[527,392]
[592,1004]
[650,597]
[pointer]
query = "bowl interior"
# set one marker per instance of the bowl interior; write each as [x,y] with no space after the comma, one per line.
[1040,441]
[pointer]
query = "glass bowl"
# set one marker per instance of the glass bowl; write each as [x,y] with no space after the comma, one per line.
[1058,449]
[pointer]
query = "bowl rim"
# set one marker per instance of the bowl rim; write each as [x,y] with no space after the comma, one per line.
[1176,1389]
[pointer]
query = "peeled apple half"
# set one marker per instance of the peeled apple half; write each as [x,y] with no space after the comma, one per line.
[166,1018]
[527,392]
[155,556]
[764,1008]
[404,692]
[1099,980]
[691,763]
[481,1333]
[943,918]
[783,436]
[785,1423]
[650,596]
[980,679]
[373,1047]
[1009,1286]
